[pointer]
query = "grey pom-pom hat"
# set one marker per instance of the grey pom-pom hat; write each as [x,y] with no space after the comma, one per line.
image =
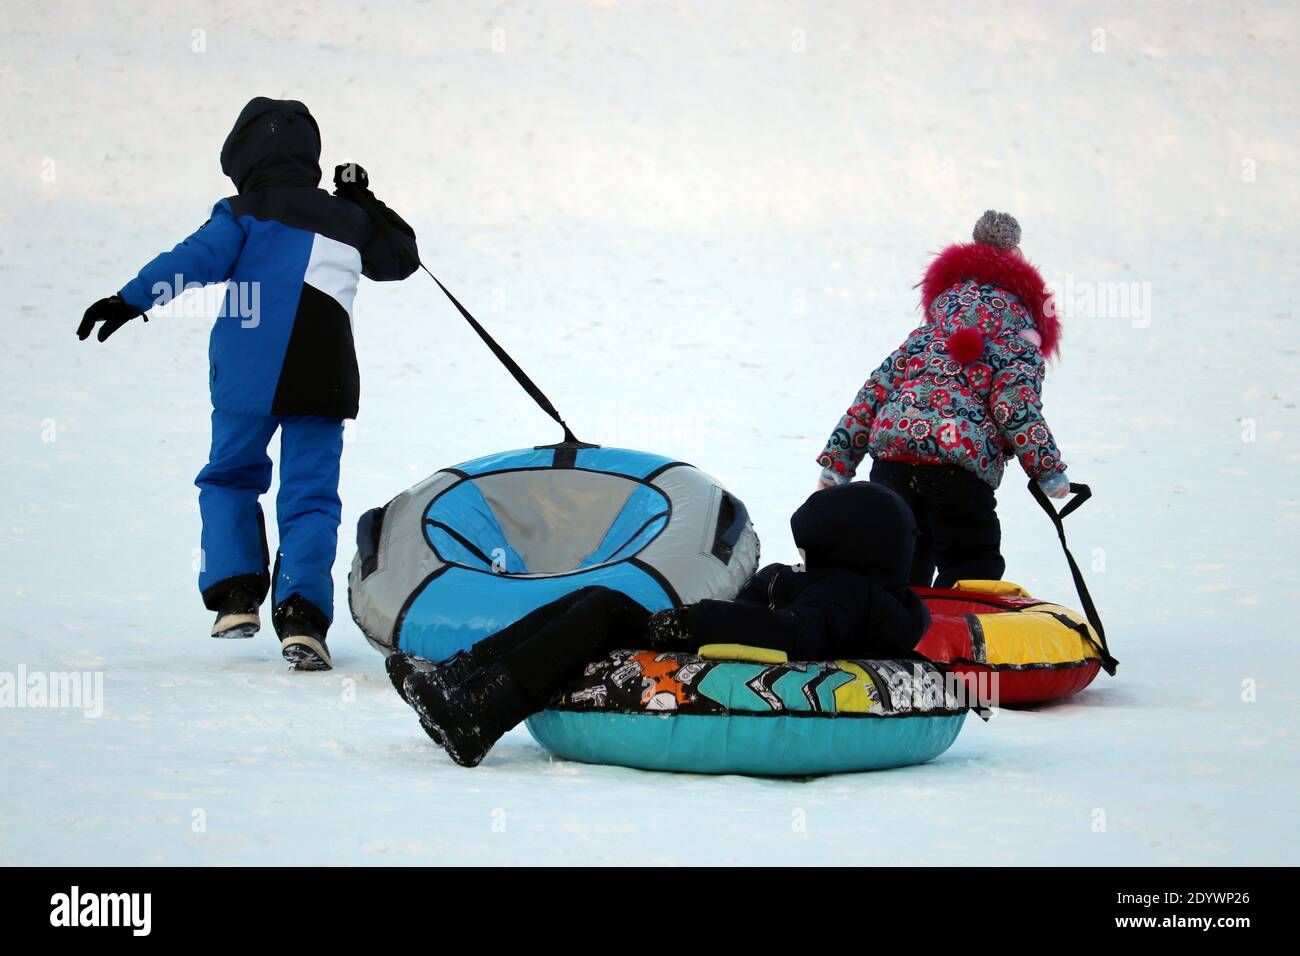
[997,229]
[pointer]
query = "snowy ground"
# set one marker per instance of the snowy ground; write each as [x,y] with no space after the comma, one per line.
[699,231]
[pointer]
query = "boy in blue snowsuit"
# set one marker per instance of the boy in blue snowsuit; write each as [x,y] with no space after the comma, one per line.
[281,356]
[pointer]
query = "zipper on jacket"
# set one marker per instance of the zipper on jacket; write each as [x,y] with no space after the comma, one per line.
[771,588]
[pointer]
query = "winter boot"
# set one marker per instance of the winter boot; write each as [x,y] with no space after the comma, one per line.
[401,666]
[454,670]
[467,719]
[237,614]
[301,627]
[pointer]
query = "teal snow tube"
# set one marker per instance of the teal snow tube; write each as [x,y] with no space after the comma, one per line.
[699,714]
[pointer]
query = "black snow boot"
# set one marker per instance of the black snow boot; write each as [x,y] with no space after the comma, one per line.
[467,719]
[401,666]
[237,614]
[454,670]
[302,626]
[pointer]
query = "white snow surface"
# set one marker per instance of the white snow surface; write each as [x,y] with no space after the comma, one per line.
[699,227]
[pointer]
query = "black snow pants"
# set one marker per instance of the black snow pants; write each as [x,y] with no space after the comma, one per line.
[956,514]
[548,647]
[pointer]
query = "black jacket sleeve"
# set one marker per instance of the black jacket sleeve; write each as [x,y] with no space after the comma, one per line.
[842,615]
[390,253]
[814,625]
[781,629]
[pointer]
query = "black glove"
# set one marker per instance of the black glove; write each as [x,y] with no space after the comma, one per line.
[113,312]
[350,176]
[669,630]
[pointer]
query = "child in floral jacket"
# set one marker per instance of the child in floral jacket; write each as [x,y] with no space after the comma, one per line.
[959,397]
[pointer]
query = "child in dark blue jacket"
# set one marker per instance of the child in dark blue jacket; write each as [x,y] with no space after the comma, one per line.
[849,600]
[281,356]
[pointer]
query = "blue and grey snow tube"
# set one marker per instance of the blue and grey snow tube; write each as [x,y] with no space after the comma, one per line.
[473,548]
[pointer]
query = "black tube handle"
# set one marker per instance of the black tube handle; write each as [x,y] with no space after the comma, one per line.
[1081,494]
[369,527]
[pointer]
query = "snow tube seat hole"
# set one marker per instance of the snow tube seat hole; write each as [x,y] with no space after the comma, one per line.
[544,521]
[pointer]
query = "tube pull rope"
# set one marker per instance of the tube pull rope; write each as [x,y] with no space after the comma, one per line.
[364,198]
[1081,494]
[511,365]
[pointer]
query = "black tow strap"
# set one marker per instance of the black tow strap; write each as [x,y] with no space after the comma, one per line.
[1081,494]
[520,375]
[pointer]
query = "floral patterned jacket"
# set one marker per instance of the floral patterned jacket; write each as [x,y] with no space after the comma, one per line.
[964,388]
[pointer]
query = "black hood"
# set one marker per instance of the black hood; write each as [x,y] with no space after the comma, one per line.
[859,526]
[273,143]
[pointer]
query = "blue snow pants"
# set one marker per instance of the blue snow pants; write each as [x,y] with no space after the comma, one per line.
[307,507]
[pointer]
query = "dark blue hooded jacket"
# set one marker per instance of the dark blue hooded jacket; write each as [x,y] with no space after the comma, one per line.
[292,253]
[851,599]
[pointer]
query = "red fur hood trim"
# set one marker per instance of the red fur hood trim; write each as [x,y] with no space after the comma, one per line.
[972,260]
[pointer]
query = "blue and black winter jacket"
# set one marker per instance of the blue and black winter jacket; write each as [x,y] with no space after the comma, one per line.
[293,254]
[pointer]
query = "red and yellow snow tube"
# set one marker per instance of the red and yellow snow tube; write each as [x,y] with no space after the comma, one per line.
[1009,647]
